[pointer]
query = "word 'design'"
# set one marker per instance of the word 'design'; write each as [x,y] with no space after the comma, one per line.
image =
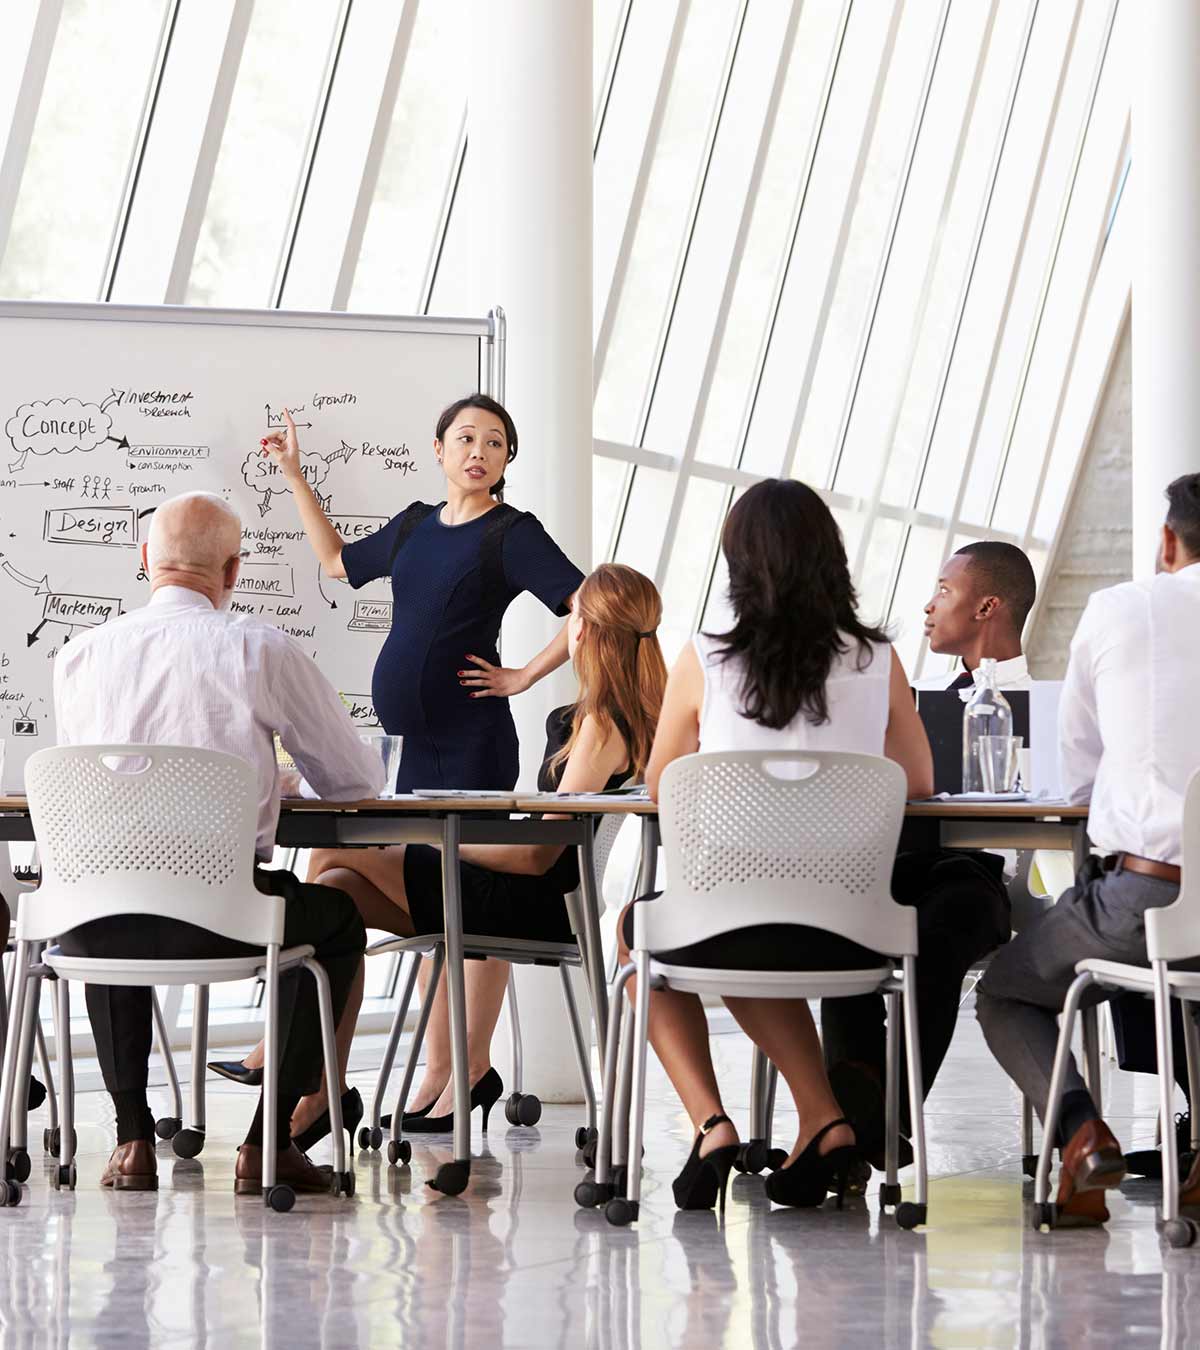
[108,526]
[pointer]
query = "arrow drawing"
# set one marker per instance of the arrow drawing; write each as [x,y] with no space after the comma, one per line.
[115,397]
[37,587]
[123,442]
[331,603]
[31,638]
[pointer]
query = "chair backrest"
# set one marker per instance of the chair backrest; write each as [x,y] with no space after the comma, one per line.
[780,836]
[1173,932]
[166,830]
[606,838]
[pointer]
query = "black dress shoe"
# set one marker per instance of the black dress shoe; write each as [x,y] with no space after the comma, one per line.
[237,1072]
[37,1093]
[352,1114]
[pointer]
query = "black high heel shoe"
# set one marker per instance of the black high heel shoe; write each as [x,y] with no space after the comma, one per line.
[237,1072]
[805,1182]
[704,1179]
[486,1093]
[409,1116]
[37,1093]
[352,1114]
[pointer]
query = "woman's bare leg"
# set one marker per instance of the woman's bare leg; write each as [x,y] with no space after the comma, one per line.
[486,982]
[783,1030]
[679,1035]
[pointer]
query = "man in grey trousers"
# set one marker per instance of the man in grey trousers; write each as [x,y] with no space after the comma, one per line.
[1129,742]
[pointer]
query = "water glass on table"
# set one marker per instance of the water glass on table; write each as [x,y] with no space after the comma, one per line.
[998,762]
[388,749]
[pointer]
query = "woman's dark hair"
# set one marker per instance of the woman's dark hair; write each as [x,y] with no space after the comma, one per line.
[485,403]
[793,602]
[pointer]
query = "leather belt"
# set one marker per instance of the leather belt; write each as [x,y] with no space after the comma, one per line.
[1148,867]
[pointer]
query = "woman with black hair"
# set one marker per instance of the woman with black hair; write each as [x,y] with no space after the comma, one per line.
[455,568]
[798,670]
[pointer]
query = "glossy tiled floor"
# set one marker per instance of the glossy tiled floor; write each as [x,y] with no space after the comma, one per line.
[514,1263]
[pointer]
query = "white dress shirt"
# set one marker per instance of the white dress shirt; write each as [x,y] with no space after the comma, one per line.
[180,672]
[1010,674]
[1129,737]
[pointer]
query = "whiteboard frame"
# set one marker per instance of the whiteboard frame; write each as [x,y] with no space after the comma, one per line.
[489,330]
[491,333]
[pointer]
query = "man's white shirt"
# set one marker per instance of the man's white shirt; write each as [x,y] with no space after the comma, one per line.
[1010,674]
[1129,734]
[180,672]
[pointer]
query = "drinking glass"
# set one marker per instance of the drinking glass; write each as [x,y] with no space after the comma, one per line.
[998,762]
[388,749]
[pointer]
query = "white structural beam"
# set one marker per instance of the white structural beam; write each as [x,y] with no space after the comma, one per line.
[1166,295]
[529,196]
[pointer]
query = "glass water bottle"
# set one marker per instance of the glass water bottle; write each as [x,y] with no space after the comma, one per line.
[987,714]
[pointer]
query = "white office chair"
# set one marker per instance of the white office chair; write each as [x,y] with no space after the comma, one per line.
[1172,935]
[770,837]
[520,1108]
[167,831]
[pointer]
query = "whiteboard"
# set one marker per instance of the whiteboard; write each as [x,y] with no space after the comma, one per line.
[108,410]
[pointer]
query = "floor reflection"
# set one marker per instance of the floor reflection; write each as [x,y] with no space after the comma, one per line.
[513,1262]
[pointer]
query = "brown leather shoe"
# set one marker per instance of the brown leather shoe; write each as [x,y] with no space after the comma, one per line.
[132,1167]
[1092,1163]
[291,1167]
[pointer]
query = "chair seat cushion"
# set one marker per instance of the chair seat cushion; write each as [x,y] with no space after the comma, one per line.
[773,983]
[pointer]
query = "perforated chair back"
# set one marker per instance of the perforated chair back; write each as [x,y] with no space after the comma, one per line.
[1173,932]
[146,829]
[780,836]
[606,838]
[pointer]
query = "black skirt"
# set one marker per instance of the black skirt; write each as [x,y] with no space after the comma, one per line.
[494,904]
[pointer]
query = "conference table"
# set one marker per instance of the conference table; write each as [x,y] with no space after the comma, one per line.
[447,821]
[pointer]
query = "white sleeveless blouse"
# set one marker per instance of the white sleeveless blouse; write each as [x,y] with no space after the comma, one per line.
[857,699]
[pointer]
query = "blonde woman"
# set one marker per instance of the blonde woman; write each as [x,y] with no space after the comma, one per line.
[517,890]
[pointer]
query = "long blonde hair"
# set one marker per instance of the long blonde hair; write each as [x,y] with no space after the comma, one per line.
[622,674]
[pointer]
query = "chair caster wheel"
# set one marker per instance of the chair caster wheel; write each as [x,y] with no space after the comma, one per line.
[280,1199]
[187,1143]
[522,1109]
[167,1127]
[890,1195]
[63,1178]
[52,1139]
[452,1178]
[585,1135]
[909,1215]
[18,1165]
[858,1178]
[751,1157]
[588,1154]
[1043,1217]
[399,1152]
[1029,1164]
[1179,1232]
[343,1184]
[364,1139]
[10,1194]
[589,1194]
[621,1212]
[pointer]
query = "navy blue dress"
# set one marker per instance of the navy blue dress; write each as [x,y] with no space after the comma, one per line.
[450,587]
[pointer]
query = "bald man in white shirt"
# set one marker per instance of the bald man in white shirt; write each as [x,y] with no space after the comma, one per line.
[1129,743]
[185,671]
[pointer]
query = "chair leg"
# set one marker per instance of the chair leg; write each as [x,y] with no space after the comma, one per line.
[769,1106]
[30,1006]
[8,1077]
[514,1032]
[916,1088]
[44,1060]
[582,1053]
[270,1090]
[890,1192]
[199,1055]
[608,1094]
[333,1082]
[1041,1185]
[396,1153]
[1191,1041]
[620,1139]
[1028,1155]
[641,1038]
[393,1041]
[393,979]
[66,1076]
[1090,1030]
[1166,1092]
[758,1094]
[164,1049]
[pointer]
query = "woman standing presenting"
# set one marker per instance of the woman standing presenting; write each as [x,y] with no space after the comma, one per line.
[455,567]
